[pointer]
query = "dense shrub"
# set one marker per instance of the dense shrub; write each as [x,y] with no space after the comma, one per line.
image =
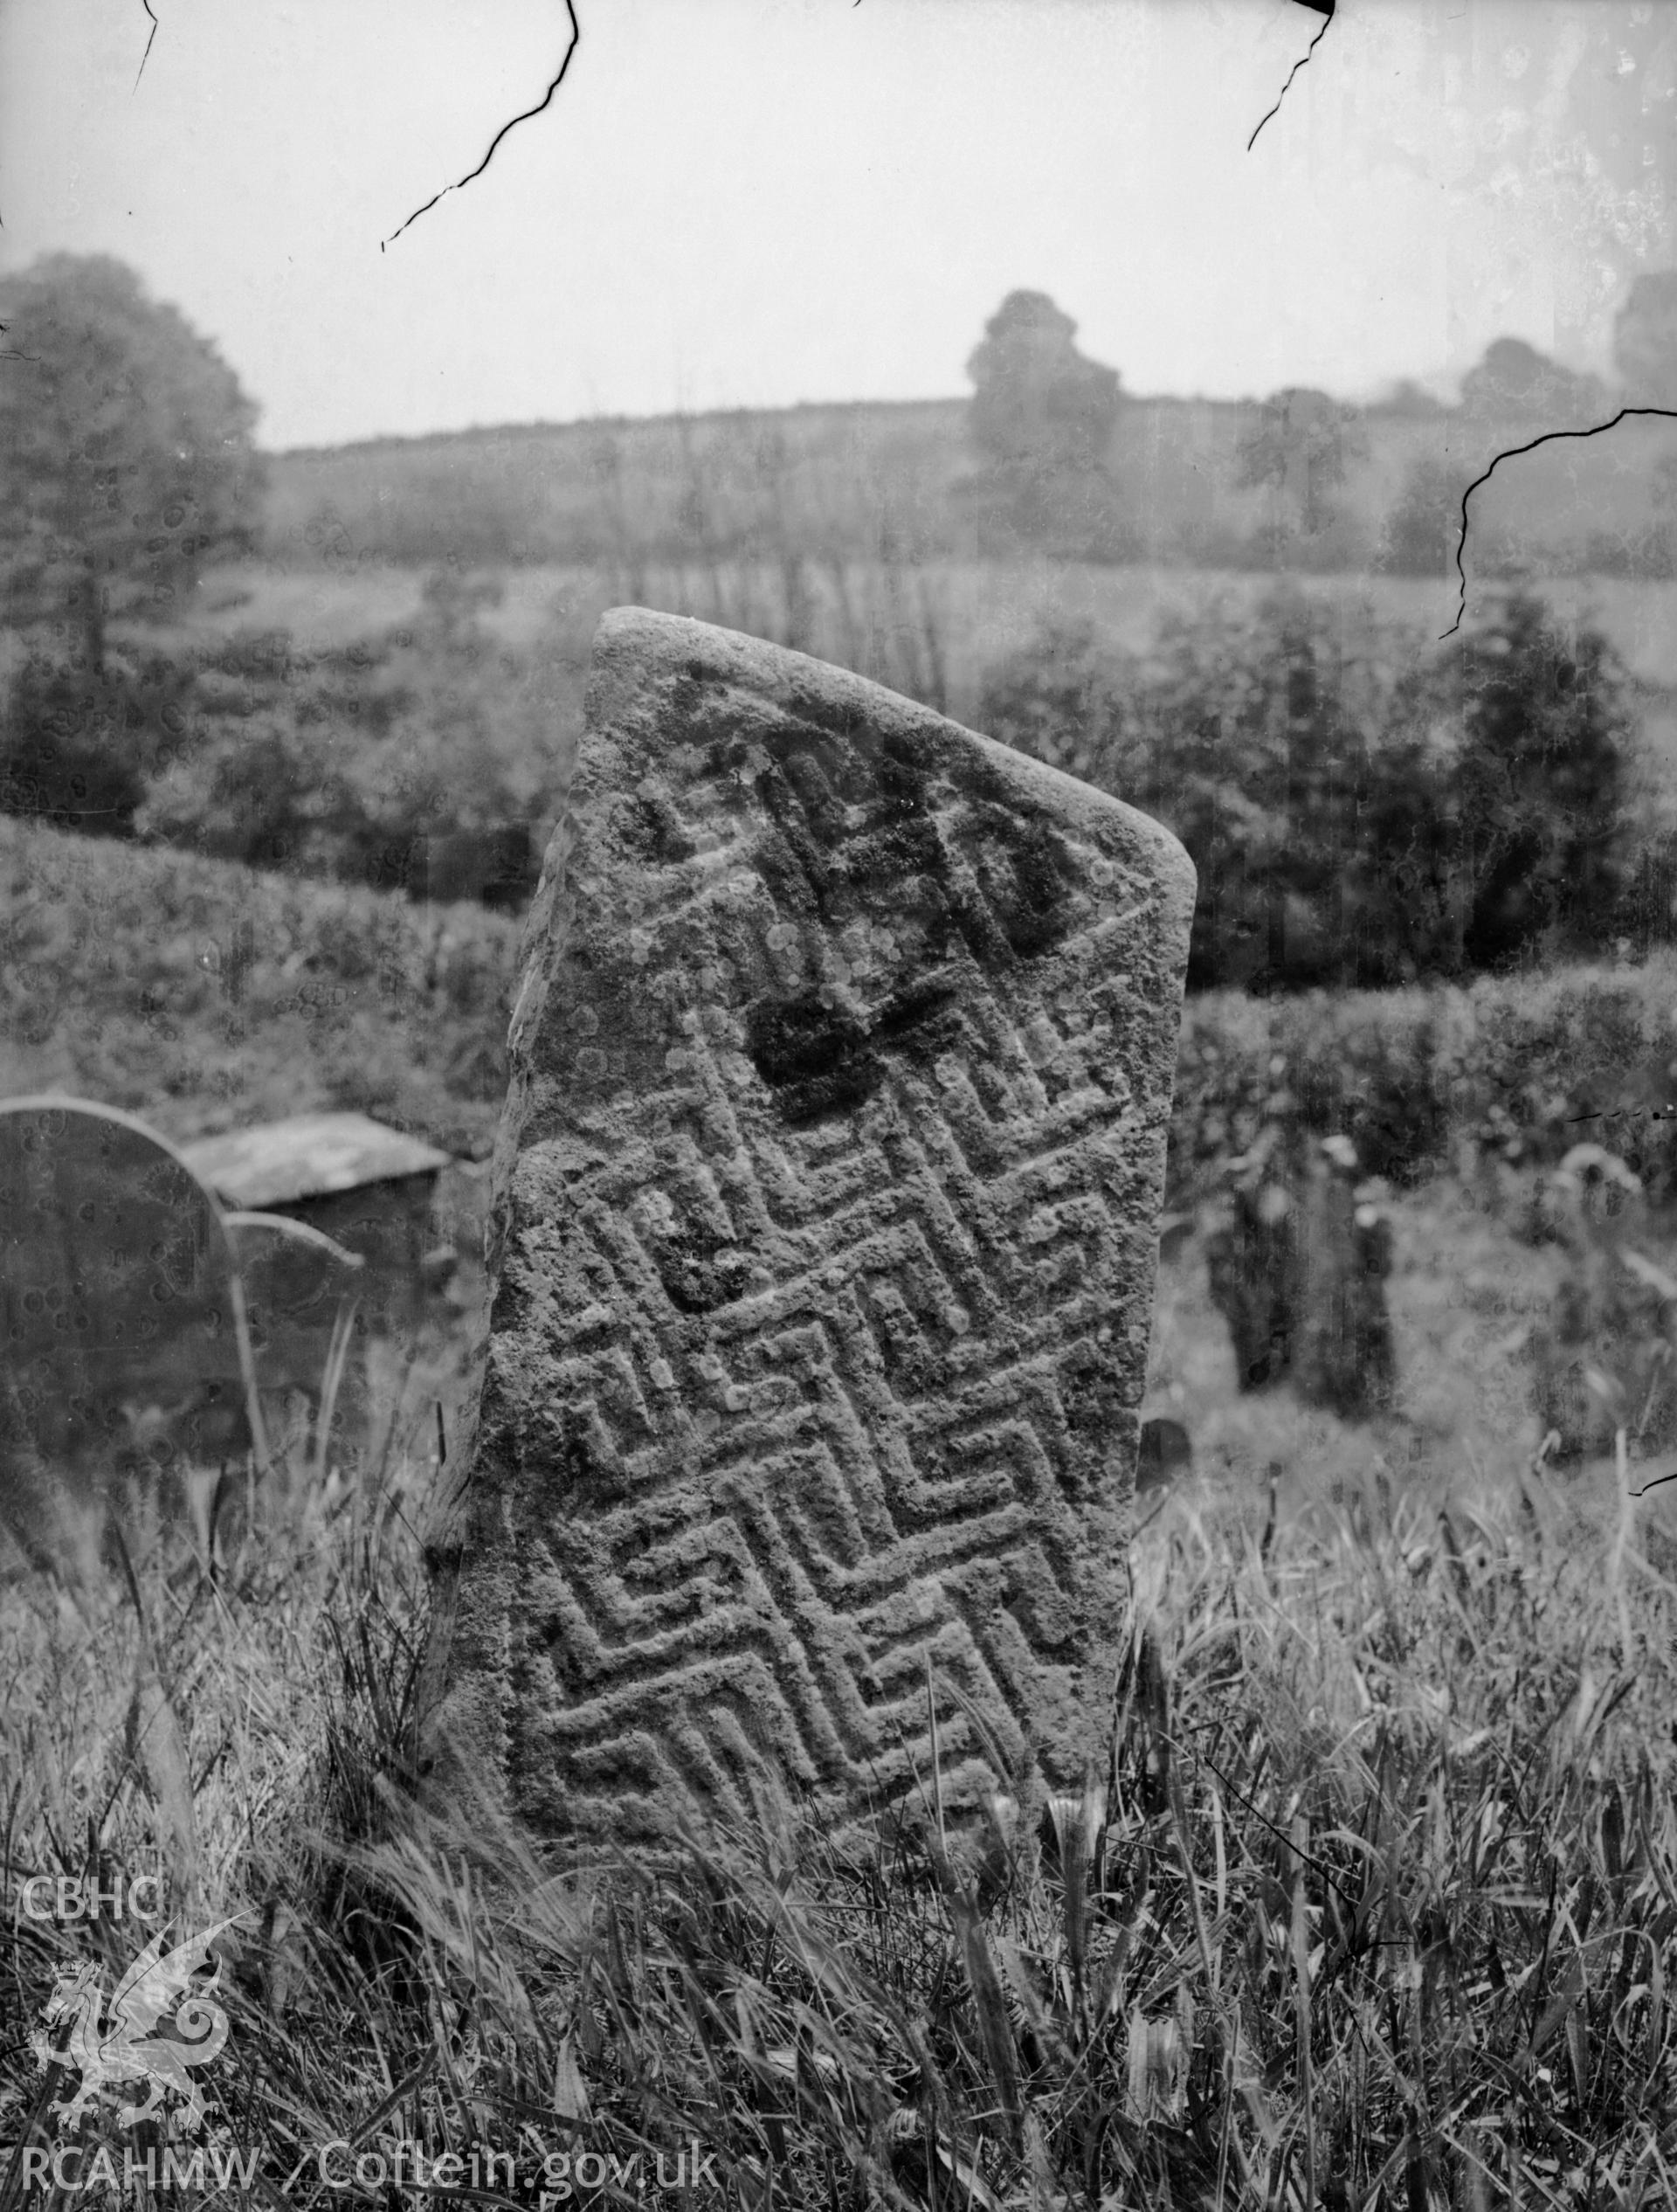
[77,745]
[1363,809]
[1517,1069]
[353,763]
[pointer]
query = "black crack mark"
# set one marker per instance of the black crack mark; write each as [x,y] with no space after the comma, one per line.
[1325,9]
[1513,453]
[576,40]
[1630,1113]
[150,35]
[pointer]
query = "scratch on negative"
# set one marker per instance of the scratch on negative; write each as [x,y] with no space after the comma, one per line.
[1326,18]
[150,35]
[576,39]
[1511,453]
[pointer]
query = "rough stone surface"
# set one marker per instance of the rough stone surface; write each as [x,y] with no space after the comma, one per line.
[822,1257]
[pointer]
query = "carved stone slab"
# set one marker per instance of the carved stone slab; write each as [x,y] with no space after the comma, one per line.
[822,1257]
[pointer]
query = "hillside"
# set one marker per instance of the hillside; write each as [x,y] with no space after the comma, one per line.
[205,995]
[825,483]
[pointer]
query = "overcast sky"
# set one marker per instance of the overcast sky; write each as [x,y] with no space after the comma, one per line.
[753,201]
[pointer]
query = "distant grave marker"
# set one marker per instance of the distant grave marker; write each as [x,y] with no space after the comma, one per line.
[822,1248]
[300,1293]
[366,1187]
[116,1296]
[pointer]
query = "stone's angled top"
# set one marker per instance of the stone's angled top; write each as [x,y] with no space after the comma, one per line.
[307,1156]
[821,1255]
[637,650]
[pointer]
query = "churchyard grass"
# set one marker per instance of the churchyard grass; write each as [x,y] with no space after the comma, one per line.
[1376,1906]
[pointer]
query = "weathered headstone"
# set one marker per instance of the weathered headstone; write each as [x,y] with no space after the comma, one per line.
[1298,1269]
[363,1187]
[1605,1355]
[1165,1452]
[115,1302]
[1252,1260]
[1344,1357]
[300,1292]
[822,1257]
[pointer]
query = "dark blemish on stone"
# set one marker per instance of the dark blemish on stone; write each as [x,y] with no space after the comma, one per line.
[819,1060]
[653,833]
[920,1016]
[882,858]
[815,1058]
[699,1269]
[789,884]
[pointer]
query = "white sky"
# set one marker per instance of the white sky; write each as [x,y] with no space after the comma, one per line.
[752,201]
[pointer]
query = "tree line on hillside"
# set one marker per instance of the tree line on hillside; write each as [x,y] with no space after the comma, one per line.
[1362,809]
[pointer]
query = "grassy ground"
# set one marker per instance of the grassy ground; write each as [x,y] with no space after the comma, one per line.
[1377,1904]
[1465,1292]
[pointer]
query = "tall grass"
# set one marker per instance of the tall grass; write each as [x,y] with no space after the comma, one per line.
[1375,1903]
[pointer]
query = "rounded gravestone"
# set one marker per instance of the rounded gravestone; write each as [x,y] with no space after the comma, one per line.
[301,1289]
[301,1293]
[115,1302]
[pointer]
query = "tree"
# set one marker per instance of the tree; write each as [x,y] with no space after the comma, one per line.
[1245,731]
[1644,341]
[1541,782]
[1412,400]
[1514,378]
[1299,447]
[426,743]
[1360,811]
[77,746]
[126,459]
[1041,413]
[1423,528]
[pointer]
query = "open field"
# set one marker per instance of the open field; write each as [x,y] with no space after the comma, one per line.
[932,630]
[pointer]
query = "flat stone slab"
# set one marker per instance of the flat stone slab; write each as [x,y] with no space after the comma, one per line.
[307,1156]
[822,1254]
